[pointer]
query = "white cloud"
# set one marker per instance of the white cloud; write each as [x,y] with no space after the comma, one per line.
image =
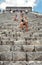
[27,3]
[3,5]
[30,3]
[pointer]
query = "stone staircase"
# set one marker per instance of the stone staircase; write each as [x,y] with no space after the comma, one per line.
[18,47]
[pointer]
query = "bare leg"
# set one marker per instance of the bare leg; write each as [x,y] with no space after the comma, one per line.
[21,25]
[26,26]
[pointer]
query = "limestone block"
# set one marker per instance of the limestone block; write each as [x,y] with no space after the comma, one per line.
[36,42]
[8,63]
[19,56]
[20,42]
[4,31]
[28,48]
[11,42]
[40,35]
[28,42]
[34,56]
[16,48]
[5,56]
[34,63]
[1,62]
[38,48]
[2,42]
[20,63]
[4,48]
[19,34]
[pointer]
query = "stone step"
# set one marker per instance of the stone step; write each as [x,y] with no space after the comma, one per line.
[20,48]
[20,56]
[22,41]
[34,56]
[12,56]
[21,63]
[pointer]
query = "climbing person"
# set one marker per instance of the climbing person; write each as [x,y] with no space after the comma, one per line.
[24,22]
[16,18]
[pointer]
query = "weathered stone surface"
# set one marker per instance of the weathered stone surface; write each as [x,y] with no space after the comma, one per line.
[19,56]
[5,56]
[7,63]
[34,56]
[37,42]
[17,45]
[17,48]
[38,48]
[34,63]
[1,62]
[19,42]
[15,63]
[28,48]
[20,63]
[4,48]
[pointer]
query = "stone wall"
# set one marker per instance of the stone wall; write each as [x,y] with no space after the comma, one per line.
[29,9]
[18,47]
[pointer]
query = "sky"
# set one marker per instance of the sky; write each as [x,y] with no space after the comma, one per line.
[35,4]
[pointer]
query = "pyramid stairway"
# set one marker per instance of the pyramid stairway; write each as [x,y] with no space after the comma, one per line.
[18,47]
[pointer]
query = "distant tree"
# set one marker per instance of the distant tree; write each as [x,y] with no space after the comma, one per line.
[3,11]
[0,10]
